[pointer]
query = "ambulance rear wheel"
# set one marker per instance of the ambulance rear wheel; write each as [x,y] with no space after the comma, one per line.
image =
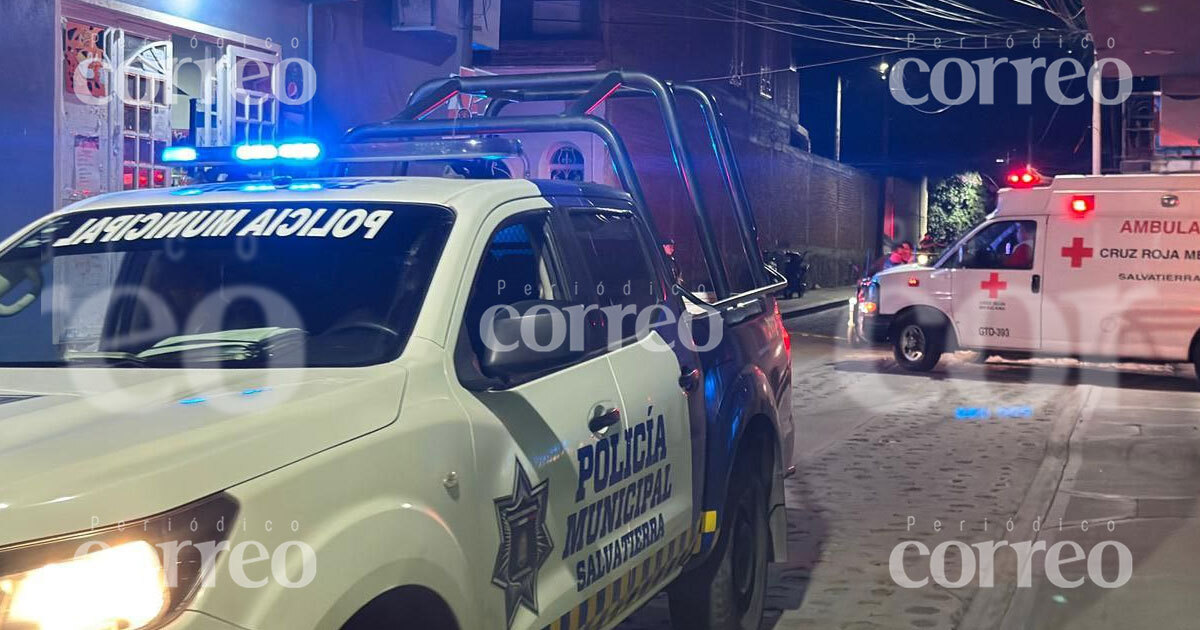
[728,591]
[918,345]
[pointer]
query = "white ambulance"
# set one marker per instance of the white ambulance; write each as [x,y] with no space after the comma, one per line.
[1081,266]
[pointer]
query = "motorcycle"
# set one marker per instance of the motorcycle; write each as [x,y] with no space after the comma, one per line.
[792,266]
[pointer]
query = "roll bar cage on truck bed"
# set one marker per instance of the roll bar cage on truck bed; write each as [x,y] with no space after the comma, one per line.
[744,380]
[587,91]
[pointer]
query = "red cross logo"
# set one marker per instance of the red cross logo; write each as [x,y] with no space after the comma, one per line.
[1077,252]
[993,286]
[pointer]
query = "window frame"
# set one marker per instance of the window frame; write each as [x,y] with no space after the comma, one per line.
[584,273]
[955,257]
[550,166]
[466,354]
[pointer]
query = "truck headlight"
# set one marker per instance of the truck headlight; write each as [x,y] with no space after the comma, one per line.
[128,577]
[121,587]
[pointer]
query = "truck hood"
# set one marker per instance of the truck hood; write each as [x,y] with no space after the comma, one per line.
[81,448]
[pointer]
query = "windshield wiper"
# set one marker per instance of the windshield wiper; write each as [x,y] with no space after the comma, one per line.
[107,359]
[235,346]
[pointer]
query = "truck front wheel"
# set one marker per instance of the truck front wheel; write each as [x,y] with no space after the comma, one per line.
[917,345]
[727,592]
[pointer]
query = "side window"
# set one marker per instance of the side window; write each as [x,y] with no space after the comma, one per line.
[517,268]
[615,255]
[1001,245]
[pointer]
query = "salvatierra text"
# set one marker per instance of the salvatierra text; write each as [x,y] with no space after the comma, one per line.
[611,461]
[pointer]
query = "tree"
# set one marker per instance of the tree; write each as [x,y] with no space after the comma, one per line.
[956,204]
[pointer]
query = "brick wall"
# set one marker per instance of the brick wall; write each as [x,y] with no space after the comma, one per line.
[801,201]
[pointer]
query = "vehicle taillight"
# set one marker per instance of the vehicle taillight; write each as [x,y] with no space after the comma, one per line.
[783,331]
[1081,204]
[868,307]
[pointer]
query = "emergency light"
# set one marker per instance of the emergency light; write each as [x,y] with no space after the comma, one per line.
[255,152]
[1027,177]
[300,151]
[1081,204]
[306,151]
[179,154]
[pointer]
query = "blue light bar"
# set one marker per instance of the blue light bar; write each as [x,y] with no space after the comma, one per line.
[294,153]
[256,152]
[306,151]
[179,154]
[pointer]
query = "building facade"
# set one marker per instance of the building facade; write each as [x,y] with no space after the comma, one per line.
[1156,129]
[99,87]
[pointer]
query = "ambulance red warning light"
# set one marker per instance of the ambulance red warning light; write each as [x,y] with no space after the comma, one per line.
[1082,204]
[1027,177]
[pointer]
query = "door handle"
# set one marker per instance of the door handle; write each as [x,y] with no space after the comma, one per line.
[1037,283]
[690,379]
[604,420]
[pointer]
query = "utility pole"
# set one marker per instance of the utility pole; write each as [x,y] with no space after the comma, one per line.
[837,129]
[1029,143]
[466,36]
[1096,122]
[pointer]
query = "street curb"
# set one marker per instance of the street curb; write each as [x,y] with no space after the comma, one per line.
[816,308]
[988,607]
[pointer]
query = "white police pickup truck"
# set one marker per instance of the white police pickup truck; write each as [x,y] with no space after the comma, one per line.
[378,402]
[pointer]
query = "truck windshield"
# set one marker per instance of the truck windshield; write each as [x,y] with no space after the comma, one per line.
[253,285]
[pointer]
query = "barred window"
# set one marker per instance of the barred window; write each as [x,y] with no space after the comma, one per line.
[566,162]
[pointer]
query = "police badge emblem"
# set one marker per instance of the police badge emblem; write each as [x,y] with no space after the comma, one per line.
[525,543]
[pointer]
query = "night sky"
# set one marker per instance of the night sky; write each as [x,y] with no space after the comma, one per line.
[881,133]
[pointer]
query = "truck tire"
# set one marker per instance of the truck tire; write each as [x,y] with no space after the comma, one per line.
[918,344]
[728,591]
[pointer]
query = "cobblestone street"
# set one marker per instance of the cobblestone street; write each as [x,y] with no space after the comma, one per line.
[886,457]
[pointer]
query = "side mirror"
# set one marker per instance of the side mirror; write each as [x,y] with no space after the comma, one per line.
[532,336]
